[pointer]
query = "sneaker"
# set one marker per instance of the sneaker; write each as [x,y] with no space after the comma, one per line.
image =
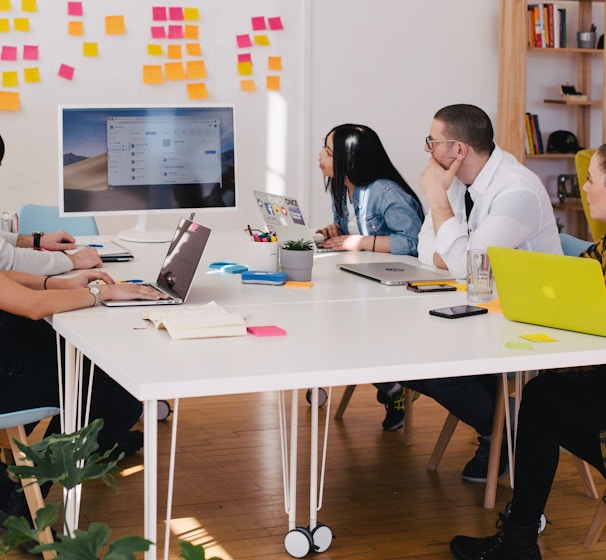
[477,469]
[394,410]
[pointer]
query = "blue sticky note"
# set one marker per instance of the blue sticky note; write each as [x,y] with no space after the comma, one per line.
[235,268]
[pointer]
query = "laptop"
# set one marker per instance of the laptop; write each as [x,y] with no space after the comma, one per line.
[282,215]
[179,267]
[550,290]
[396,273]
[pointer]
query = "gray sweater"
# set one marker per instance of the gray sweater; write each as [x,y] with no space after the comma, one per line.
[45,263]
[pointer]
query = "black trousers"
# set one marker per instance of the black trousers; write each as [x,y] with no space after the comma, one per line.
[28,379]
[559,408]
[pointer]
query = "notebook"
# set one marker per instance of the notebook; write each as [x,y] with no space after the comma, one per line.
[395,273]
[282,216]
[109,251]
[179,267]
[550,290]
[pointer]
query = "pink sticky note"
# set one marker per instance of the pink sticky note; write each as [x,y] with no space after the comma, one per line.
[175,32]
[266,330]
[243,41]
[159,13]
[158,32]
[175,14]
[74,8]
[9,53]
[66,72]
[244,57]
[258,23]
[30,52]
[275,23]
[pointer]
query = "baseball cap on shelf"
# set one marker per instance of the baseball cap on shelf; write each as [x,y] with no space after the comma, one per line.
[563,142]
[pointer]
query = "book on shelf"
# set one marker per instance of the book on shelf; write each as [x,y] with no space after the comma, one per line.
[196,321]
[534,138]
[546,26]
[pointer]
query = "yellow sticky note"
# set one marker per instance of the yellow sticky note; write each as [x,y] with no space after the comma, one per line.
[193,49]
[274,63]
[114,25]
[90,49]
[261,40]
[152,74]
[174,71]
[29,6]
[273,83]
[174,52]
[197,91]
[4,25]
[245,68]
[31,75]
[191,14]
[538,337]
[21,24]
[248,85]
[154,50]
[5,5]
[10,79]
[195,69]
[9,101]
[75,28]
[190,32]
[518,345]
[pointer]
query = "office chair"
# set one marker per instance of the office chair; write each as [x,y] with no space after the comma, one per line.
[581,162]
[35,217]
[572,245]
[12,427]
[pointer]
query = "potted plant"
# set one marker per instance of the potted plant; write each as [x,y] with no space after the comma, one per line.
[586,39]
[69,460]
[297,259]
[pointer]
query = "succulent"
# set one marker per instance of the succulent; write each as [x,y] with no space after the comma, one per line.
[298,245]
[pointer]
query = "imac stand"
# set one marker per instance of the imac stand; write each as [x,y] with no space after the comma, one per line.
[141,234]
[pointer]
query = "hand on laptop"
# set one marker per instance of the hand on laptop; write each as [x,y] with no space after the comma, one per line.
[331,230]
[345,243]
[85,258]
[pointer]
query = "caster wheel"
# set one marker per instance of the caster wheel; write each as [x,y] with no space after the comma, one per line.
[298,542]
[322,537]
[163,410]
[542,523]
[322,397]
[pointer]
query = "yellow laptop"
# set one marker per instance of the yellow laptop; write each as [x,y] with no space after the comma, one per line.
[550,290]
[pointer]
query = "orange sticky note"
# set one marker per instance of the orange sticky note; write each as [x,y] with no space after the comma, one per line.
[10,79]
[9,101]
[295,284]
[197,91]
[90,49]
[248,85]
[21,24]
[75,28]
[174,71]
[193,49]
[190,32]
[195,69]
[114,25]
[245,68]
[152,74]
[261,40]
[273,83]
[174,52]
[31,75]
[274,63]
[154,50]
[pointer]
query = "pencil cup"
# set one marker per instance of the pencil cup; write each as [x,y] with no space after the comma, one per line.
[479,277]
[263,256]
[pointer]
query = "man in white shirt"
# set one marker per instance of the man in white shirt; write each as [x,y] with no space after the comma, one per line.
[509,207]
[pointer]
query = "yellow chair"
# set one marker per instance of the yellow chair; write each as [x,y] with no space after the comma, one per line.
[581,161]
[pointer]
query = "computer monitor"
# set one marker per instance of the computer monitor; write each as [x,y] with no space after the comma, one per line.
[146,159]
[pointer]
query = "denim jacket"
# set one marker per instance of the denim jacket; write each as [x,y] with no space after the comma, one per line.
[384,208]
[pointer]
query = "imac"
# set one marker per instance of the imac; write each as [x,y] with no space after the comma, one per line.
[146,159]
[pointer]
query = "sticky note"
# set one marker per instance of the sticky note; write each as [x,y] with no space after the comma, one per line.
[294,284]
[274,63]
[174,52]
[191,14]
[175,13]
[5,5]
[114,25]
[248,85]
[74,8]
[154,50]
[245,68]
[190,32]
[152,74]
[159,13]
[4,25]
[8,53]
[90,49]
[195,69]
[31,75]
[193,49]
[273,83]
[245,57]
[158,32]
[197,91]
[10,79]
[174,71]
[258,23]
[66,71]
[275,23]
[266,330]
[175,32]
[262,40]
[243,41]
[9,101]
[21,24]
[518,345]
[29,6]
[75,28]
[538,337]
[30,52]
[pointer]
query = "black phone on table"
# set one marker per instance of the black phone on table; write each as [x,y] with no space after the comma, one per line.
[458,311]
[430,288]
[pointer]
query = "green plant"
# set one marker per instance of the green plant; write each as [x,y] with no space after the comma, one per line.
[592,28]
[297,245]
[70,460]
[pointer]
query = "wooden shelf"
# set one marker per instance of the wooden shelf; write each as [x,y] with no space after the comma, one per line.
[573,50]
[588,103]
[550,156]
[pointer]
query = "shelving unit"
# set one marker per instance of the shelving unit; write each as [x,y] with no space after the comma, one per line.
[513,94]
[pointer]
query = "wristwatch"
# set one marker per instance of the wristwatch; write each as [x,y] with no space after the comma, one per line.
[94,290]
[37,235]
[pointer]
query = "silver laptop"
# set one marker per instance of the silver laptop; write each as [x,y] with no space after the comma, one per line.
[282,215]
[179,267]
[395,273]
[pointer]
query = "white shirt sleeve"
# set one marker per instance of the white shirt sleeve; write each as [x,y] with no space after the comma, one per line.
[45,263]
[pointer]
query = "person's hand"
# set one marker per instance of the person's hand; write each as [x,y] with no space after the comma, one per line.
[344,243]
[126,291]
[331,230]
[57,241]
[85,258]
[435,180]
[83,279]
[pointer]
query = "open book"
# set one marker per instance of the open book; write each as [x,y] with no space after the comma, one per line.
[196,321]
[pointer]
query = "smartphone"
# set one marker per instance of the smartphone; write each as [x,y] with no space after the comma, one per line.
[430,288]
[458,311]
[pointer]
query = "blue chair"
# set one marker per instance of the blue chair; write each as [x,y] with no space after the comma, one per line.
[35,217]
[573,246]
[13,425]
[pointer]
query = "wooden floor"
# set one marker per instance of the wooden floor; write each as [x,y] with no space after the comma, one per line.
[380,501]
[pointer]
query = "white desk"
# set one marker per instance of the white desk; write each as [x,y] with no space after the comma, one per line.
[345,330]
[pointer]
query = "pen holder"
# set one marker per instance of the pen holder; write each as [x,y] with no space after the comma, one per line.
[263,256]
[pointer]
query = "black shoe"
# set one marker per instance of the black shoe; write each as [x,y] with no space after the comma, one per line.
[129,444]
[15,505]
[477,469]
[510,543]
[394,410]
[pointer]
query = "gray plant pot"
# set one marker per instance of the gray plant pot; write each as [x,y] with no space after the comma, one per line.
[297,265]
[586,39]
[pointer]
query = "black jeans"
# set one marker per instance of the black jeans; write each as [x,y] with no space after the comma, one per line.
[29,379]
[558,408]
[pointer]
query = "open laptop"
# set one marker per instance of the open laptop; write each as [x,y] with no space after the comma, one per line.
[179,267]
[282,215]
[395,273]
[550,290]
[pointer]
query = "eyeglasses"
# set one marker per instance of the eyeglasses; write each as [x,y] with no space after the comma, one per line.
[429,142]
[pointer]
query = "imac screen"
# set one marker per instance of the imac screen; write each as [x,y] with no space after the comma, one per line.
[146,159]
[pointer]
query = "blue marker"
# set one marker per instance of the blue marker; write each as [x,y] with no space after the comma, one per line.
[134,281]
[96,245]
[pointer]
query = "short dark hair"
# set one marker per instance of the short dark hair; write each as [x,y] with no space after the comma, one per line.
[601,153]
[468,124]
[1,149]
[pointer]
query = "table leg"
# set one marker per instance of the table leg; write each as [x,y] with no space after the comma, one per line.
[150,474]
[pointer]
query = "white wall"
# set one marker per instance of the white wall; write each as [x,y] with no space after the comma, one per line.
[389,64]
